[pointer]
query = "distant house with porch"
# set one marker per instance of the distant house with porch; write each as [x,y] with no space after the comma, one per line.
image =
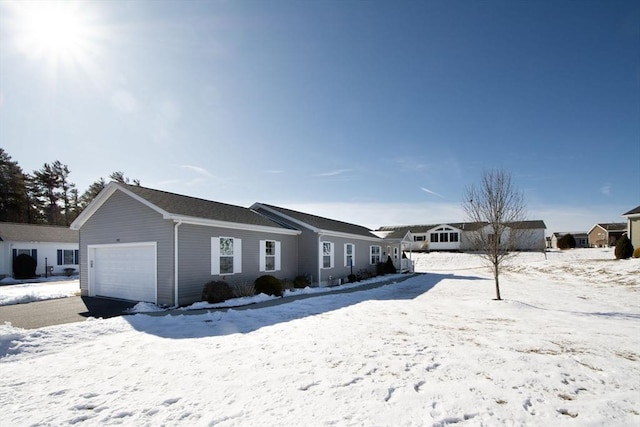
[606,234]
[54,248]
[457,236]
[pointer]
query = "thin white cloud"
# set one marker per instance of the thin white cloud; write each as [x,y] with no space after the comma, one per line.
[273,171]
[198,170]
[335,172]
[426,190]
[606,189]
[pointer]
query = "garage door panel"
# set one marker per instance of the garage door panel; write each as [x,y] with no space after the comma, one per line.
[127,272]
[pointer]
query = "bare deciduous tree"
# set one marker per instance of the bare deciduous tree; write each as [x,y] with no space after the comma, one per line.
[498,210]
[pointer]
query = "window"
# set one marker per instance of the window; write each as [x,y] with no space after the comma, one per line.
[375,254]
[444,237]
[434,237]
[67,256]
[226,255]
[269,255]
[349,251]
[395,253]
[419,238]
[453,237]
[327,255]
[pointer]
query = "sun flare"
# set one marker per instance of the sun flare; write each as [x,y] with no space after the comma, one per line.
[55,31]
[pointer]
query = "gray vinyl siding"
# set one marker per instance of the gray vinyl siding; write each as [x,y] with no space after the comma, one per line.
[121,219]
[308,256]
[361,260]
[194,253]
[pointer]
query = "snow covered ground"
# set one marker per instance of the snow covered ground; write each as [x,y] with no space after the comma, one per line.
[20,292]
[562,349]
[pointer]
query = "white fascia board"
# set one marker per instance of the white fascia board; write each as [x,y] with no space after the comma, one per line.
[594,227]
[330,233]
[445,225]
[231,225]
[98,201]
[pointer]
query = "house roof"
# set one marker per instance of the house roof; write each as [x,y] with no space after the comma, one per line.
[398,231]
[633,211]
[319,223]
[13,232]
[200,208]
[612,226]
[178,207]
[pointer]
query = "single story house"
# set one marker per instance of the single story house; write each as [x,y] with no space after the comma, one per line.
[142,244]
[54,248]
[581,238]
[633,226]
[606,234]
[456,236]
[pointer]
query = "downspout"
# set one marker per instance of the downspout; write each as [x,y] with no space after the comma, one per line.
[319,260]
[175,262]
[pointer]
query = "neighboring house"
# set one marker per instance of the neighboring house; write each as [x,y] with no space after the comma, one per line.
[415,237]
[456,236]
[606,234]
[581,238]
[633,226]
[142,244]
[330,250]
[53,247]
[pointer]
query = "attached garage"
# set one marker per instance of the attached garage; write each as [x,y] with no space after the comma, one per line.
[124,271]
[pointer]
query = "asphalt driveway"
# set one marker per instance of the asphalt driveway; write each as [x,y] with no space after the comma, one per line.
[39,314]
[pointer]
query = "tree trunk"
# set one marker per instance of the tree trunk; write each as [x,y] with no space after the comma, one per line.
[497,284]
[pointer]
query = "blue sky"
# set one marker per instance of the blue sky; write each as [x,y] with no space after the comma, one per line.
[371,112]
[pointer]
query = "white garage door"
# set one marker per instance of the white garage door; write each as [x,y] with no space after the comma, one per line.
[123,271]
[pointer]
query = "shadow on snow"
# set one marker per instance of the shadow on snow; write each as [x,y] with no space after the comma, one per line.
[241,320]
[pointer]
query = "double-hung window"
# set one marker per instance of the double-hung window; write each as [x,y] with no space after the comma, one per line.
[349,253]
[374,252]
[327,255]
[269,255]
[226,255]
[67,256]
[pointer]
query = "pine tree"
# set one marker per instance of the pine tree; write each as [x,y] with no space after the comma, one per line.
[13,190]
[46,184]
[624,248]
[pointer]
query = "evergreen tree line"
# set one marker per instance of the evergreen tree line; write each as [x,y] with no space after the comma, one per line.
[46,196]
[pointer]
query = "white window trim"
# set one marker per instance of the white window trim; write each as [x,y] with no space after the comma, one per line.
[331,255]
[263,256]
[353,255]
[371,254]
[215,256]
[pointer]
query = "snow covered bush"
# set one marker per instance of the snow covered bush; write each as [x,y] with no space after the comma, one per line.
[624,248]
[216,291]
[268,285]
